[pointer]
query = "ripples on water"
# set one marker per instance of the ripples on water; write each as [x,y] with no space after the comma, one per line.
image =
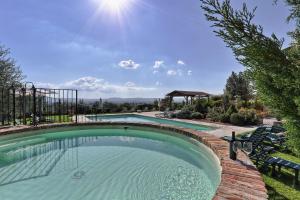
[104,168]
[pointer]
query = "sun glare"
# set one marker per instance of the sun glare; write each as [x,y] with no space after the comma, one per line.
[115,7]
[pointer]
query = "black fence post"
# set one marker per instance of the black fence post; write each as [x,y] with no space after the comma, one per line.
[24,105]
[2,106]
[8,107]
[76,107]
[14,105]
[59,111]
[232,154]
[37,105]
[34,123]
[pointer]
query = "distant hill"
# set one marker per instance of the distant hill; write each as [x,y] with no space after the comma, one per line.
[117,100]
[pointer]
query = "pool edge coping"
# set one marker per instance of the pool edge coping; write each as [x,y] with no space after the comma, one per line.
[239,179]
[210,127]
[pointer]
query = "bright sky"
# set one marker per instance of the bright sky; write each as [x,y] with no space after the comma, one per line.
[124,48]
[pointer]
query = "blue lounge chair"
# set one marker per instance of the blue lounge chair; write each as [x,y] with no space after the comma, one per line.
[279,162]
[259,151]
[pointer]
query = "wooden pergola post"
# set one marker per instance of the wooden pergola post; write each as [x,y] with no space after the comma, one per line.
[186,100]
[171,101]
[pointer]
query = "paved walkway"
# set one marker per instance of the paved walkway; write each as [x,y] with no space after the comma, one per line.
[220,131]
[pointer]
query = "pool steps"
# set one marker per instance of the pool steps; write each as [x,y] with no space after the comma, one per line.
[37,161]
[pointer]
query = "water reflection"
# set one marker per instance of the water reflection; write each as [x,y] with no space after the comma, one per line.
[39,160]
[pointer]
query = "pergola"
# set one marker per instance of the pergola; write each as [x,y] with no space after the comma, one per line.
[187,95]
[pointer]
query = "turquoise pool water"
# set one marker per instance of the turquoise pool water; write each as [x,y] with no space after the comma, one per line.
[107,164]
[141,119]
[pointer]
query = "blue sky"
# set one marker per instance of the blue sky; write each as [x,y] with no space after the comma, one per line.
[134,48]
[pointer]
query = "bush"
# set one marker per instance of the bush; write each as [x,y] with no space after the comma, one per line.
[217,103]
[184,114]
[173,115]
[197,115]
[225,118]
[232,109]
[201,106]
[215,113]
[258,105]
[190,108]
[216,97]
[245,117]
[237,119]
[250,115]
[177,106]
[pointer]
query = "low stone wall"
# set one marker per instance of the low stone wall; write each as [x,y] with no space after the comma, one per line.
[239,179]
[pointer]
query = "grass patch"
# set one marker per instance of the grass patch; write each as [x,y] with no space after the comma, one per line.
[244,134]
[50,119]
[57,118]
[281,186]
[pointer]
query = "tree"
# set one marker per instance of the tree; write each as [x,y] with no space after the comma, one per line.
[238,85]
[10,73]
[274,70]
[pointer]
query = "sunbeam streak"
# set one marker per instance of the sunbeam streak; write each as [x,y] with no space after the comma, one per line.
[115,7]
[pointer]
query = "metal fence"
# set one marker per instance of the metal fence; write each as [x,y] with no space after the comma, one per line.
[33,106]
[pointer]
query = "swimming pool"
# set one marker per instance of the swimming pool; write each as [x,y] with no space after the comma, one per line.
[107,163]
[143,119]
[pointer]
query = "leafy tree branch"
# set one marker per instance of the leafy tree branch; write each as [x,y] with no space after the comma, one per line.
[274,70]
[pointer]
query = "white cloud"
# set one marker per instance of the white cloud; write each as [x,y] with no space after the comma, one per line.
[158,64]
[155,71]
[180,62]
[130,84]
[189,73]
[89,84]
[84,48]
[46,85]
[157,83]
[129,64]
[171,72]
[179,72]
[91,87]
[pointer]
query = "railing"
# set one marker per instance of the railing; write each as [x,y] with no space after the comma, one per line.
[33,106]
[39,160]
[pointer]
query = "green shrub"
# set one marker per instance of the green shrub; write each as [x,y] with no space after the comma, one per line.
[173,115]
[258,105]
[245,117]
[250,116]
[217,103]
[215,113]
[197,115]
[232,109]
[177,106]
[184,114]
[201,106]
[225,118]
[216,97]
[237,119]
[190,108]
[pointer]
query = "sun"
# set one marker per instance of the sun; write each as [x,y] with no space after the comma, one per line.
[114,7]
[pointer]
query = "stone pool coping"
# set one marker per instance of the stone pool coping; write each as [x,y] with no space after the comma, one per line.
[240,179]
